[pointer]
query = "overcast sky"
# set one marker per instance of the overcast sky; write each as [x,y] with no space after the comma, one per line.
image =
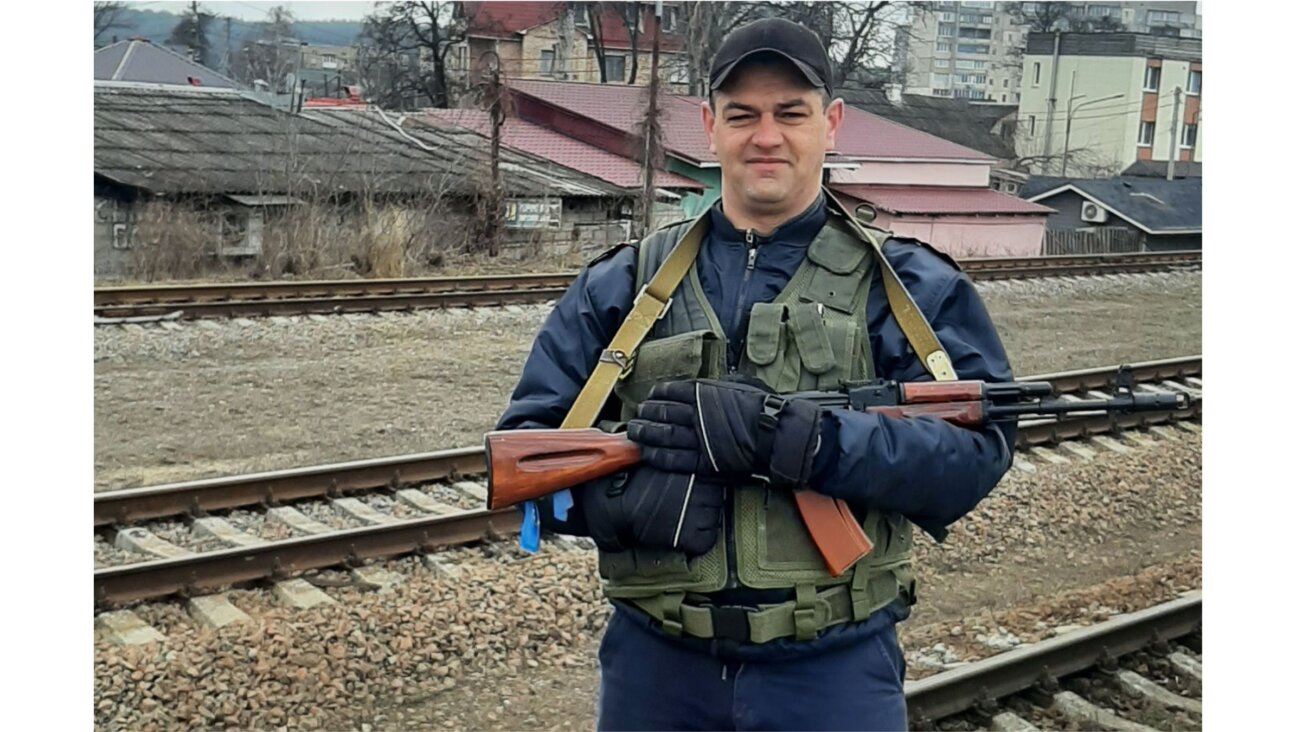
[257,11]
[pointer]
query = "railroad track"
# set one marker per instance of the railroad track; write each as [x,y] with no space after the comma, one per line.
[1073,680]
[255,299]
[404,504]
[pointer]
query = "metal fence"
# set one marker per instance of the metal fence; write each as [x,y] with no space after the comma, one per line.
[1103,241]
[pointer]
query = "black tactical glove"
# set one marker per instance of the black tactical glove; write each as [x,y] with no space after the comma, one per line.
[727,429]
[652,509]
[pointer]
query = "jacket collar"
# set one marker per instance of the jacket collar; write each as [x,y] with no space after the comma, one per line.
[799,230]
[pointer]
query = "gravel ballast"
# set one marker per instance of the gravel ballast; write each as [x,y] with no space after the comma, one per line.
[217,398]
[510,644]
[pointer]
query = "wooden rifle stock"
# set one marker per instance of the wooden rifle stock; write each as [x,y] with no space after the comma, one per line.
[523,465]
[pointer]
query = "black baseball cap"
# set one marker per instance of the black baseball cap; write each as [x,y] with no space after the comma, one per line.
[792,41]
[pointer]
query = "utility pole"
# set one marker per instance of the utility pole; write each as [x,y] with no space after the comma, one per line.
[228,21]
[1052,101]
[562,53]
[493,97]
[1174,136]
[1066,141]
[651,131]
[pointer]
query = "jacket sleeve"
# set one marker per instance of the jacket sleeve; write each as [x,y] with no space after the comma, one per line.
[924,468]
[564,353]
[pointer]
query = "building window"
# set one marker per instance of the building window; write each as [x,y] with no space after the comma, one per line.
[679,74]
[1029,8]
[1037,74]
[1152,78]
[669,17]
[1102,11]
[942,46]
[942,63]
[964,48]
[1155,17]
[546,61]
[945,29]
[1003,97]
[1194,82]
[582,15]
[615,67]
[1031,120]
[1189,137]
[941,92]
[1146,131]
[947,17]
[1005,83]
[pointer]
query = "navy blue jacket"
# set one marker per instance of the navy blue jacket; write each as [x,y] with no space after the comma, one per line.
[924,468]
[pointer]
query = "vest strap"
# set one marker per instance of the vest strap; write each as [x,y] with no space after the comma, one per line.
[803,618]
[649,306]
[916,328]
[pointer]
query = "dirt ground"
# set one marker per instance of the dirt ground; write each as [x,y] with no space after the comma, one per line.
[210,399]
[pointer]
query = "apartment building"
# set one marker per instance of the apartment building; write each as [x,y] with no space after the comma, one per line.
[1093,103]
[964,50]
[973,50]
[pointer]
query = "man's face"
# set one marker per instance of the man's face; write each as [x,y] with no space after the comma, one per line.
[770,132]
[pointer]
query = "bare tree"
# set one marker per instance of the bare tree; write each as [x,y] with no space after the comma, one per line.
[191,32]
[266,58]
[630,16]
[107,15]
[704,26]
[425,32]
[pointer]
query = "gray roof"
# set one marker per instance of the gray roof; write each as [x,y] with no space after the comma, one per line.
[955,120]
[1155,205]
[206,141]
[141,61]
[1157,169]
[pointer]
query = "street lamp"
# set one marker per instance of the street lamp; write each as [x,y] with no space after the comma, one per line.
[1066,139]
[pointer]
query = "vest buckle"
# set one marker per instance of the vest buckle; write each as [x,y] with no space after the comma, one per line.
[730,623]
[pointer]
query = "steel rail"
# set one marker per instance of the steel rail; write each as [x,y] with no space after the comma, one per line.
[198,497]
[253,299]
[951,692]
[209,571]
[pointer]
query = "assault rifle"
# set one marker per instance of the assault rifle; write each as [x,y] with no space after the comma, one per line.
[523,465]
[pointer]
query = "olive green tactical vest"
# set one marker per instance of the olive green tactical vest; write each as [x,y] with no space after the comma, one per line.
[813,335]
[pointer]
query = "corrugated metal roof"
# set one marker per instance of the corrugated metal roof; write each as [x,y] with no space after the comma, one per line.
[557,147]
[937,200]
[1155,205]
[178,140]
[142,61]
[505,19]
[863,134]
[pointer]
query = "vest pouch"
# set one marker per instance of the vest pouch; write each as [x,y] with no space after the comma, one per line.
[648,572]
[773,547]
[767,343]
[849,363]
[673,358]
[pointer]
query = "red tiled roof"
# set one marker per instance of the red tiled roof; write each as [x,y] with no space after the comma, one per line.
[622,108]
[863,134]
[504,19]
[940,200]
[565,151]
[867,135]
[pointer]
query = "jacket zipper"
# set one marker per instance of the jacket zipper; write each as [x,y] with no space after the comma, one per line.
[731,497]
[742,296]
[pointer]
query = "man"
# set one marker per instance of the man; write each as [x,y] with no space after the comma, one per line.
[725,617]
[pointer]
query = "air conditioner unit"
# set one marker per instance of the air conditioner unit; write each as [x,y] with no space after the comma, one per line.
[1093,213]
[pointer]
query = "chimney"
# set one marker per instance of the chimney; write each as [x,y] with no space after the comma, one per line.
[893,94]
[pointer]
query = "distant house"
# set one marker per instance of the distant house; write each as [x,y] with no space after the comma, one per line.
[528,37]
[242,162]
[984,127]
[139,60]
[570,153]
[946,201]
[1162,214]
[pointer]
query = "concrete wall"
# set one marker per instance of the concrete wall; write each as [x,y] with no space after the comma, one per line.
[111,257]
